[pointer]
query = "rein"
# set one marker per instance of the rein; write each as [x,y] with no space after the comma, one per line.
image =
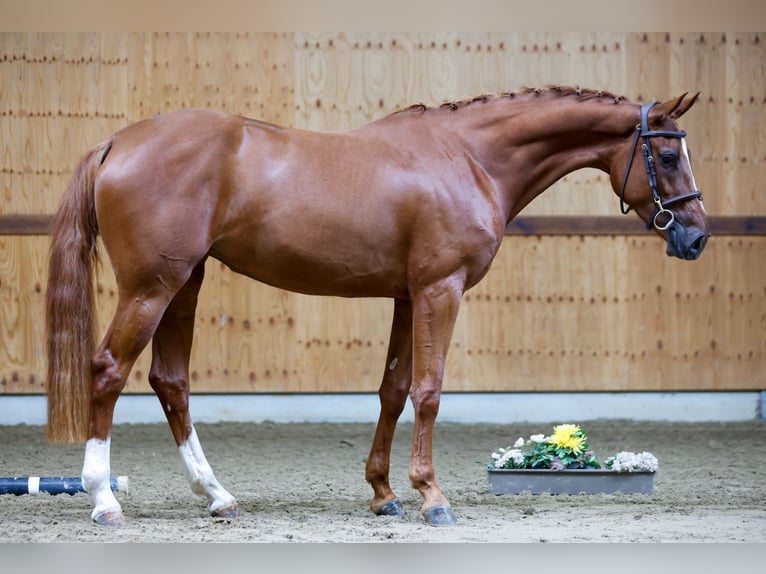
[661,207]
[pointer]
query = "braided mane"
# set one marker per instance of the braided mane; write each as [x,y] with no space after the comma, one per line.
[583,94]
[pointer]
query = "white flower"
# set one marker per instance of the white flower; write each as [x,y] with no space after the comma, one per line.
[537,438]
[519,443]
[504,456]
[499,454]
[630,461]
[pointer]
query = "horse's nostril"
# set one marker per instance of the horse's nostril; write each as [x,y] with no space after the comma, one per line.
[698,244]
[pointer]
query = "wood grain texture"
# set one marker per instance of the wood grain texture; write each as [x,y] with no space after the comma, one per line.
[592,304]
[554,313]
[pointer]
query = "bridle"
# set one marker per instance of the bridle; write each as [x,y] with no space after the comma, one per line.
[660,207]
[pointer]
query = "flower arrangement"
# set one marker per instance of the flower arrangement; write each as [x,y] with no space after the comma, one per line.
[566,448]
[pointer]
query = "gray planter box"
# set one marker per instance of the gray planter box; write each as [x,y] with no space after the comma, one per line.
[580,481]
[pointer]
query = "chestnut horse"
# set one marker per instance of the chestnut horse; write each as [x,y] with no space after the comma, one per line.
[412,207]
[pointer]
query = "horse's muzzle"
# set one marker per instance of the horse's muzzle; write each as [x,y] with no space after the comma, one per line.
[685,243]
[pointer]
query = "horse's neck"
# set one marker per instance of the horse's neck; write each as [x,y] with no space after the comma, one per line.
[533,145]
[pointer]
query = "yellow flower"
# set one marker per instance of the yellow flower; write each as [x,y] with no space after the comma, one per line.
[563,432]
[575,444]
[568,436]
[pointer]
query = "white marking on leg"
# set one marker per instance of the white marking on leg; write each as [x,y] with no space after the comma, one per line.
[95,477]
[200,475]
[393,364]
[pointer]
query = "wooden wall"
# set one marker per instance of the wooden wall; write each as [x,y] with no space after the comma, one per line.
[578,312]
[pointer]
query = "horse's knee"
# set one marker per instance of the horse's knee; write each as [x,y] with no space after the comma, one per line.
[425,402]
[392,400]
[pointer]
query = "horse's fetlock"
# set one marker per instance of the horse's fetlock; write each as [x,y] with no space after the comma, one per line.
[422,481]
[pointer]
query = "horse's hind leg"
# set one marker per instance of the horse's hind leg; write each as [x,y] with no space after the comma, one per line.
[393,396]
[134,322]
[169,377]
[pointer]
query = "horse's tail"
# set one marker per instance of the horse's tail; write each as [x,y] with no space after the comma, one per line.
[69,303]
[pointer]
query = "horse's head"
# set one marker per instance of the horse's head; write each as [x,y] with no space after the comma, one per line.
[663,193]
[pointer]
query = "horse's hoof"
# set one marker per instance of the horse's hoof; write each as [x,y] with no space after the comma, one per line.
[110,518]
[439,516]
[228,511]
[391,508]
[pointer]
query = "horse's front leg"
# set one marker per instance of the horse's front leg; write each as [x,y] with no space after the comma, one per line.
[435,310]
[396,382]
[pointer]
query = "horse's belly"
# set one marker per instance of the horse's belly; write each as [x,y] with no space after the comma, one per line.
[344,267]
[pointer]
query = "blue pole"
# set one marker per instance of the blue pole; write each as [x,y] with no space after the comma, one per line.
[19,485]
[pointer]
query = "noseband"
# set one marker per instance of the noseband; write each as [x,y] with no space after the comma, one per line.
[660,207]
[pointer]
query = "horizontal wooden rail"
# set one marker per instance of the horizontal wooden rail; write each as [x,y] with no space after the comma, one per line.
[529,225]
[25,224]
[618,225]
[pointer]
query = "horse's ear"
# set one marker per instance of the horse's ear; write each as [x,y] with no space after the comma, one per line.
[683,106]
[675,108]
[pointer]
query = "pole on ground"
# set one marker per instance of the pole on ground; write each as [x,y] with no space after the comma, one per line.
[19,485]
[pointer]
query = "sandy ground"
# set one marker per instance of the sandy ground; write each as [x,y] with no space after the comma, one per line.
[305,483]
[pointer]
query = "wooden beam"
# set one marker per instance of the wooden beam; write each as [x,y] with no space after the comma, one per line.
[741,225]
[575,225]
[25,224]
[521,225]
[617,225]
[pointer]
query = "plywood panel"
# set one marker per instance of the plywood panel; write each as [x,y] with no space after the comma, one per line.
[345,80]
[617,311]
[22,304]
[62,93]
[580,313]
[744,162]
[606,313]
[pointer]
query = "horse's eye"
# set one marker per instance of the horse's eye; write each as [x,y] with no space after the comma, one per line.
[669,159]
